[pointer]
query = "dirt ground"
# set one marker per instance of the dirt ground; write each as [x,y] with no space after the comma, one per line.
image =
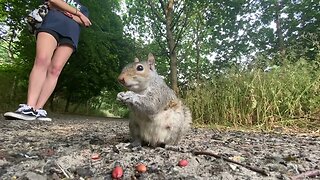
[78,147]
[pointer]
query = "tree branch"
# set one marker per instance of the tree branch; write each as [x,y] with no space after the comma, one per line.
[306,175]
[155,12]
[260,171]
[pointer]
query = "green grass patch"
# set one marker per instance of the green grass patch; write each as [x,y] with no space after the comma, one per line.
[287,96]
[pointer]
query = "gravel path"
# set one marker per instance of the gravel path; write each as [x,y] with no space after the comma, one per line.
[77,147]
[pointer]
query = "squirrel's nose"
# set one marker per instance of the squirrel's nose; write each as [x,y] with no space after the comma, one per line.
[121,80]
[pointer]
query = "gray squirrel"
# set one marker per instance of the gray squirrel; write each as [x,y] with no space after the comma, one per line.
[157,116]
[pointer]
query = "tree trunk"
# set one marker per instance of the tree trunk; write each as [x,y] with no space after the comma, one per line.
[171,47]
[197,43]
[13,89]
[66,108]
[51,106]
[281,47]
[76,107]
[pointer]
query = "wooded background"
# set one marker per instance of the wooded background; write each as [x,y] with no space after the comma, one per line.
[197,43]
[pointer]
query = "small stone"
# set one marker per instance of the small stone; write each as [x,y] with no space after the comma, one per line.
[84,172]
[32,175]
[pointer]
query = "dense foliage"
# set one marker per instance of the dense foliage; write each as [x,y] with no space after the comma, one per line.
[217,35]
[103,50]
[223,47]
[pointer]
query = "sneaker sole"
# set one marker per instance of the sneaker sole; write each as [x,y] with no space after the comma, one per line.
[17,116]
[44,119]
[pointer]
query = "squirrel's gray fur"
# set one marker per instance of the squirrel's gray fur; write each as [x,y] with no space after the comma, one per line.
[157,116]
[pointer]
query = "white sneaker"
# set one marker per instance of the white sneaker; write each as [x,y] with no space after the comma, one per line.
[41,115]
[24,112]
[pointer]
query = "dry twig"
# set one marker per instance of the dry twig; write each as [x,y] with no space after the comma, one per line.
[306,174]
[260,171]
[65,172]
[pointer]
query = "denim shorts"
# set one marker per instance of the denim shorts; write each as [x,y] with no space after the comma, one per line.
[60,39]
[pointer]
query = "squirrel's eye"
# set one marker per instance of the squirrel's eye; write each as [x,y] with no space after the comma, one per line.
[139,68]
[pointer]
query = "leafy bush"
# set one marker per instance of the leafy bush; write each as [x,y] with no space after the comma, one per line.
[13,91]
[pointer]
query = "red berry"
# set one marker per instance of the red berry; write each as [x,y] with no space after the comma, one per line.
[183,163]
[117,172]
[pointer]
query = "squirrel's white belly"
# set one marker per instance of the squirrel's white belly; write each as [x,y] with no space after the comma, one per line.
[163,127]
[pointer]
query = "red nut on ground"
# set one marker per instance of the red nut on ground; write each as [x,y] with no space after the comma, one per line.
[95,156]
[183,163]
[117,172]
[141,168]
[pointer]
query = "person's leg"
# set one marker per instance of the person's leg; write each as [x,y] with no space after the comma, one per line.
[59,59]
[45,47]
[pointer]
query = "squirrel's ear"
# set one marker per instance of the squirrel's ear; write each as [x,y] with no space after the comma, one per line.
[136,59]
[151,62]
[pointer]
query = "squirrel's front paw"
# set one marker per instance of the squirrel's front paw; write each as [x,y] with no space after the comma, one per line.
[126,97]
[121,96]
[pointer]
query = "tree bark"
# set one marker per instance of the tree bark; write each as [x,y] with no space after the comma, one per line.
[66,108]
[280,40]
[51,98]
[197,43]
[171,47]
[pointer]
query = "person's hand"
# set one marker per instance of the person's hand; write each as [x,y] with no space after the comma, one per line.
[50,6]
[70,15]
[86,22]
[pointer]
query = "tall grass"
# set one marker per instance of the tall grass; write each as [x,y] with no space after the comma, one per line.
[286,96]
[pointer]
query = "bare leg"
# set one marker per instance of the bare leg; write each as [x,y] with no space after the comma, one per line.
[59,59]
[46,45]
